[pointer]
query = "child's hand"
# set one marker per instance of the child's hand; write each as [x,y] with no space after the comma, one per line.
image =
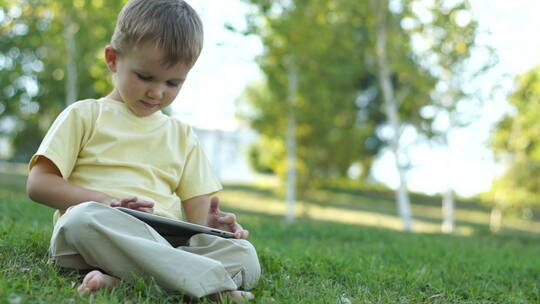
[134,203]
[224,220]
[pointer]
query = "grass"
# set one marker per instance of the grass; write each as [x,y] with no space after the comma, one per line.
[310,261]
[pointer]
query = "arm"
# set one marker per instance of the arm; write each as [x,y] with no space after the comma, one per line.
[45,185]
[197,209]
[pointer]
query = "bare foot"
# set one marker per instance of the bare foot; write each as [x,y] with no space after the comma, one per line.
[237,296]
[234,296]
[95,280]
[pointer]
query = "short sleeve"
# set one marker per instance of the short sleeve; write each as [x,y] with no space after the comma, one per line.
[197,176]
[64,139]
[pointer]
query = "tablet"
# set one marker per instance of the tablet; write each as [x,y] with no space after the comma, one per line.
[174,228]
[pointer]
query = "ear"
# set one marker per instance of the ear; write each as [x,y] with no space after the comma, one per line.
[111,55]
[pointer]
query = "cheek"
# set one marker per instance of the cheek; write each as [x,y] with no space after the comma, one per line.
[171,94]
[133,84]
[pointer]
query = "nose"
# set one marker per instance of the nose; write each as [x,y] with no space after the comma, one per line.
[155,92]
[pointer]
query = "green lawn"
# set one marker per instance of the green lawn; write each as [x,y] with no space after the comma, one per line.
[310,261]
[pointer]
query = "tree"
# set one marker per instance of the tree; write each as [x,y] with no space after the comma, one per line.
[50,54]
[339,106]
[515,142]
[450,50]
[334,59]
[388,85]
[391,105]
[316,94]
[291,141]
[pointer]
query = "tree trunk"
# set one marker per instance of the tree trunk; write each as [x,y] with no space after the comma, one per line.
[71,65]
[495,219]
[448,202]
[391,110]
[448,211]
[291,144]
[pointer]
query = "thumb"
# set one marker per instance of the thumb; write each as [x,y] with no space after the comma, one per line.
[214,204]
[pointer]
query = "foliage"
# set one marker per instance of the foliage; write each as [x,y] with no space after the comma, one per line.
[451,51]
[339,107]
[34,57]
[324,107]
[515,142]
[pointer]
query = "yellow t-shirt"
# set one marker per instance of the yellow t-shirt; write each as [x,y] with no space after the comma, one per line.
[101,145]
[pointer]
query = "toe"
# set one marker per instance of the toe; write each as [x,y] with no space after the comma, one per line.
[83,290]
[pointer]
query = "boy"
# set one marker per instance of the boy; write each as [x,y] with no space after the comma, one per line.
[121,150]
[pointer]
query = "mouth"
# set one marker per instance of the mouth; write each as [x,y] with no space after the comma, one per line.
[149,105]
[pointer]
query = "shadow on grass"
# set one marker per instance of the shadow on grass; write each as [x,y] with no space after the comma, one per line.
[477,229]
[363,200]
[342,202]
[416,198]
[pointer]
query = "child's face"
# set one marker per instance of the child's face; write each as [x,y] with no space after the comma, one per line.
[143,82]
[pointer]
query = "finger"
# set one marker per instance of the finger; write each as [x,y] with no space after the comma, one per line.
[127,200]
[115,204]
[214,204]
[238,231]
[241,234]
[238,235]
[146,204]
[228,219]
[137,205]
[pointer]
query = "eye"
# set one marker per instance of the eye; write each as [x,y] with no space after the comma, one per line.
[143,77]
[172,84]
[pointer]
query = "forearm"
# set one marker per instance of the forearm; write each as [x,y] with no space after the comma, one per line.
[55,192]
[196,209]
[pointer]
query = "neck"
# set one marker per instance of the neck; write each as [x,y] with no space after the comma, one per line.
[115,95]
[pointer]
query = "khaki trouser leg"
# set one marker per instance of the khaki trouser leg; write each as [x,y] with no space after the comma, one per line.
[237,256]
[92,235]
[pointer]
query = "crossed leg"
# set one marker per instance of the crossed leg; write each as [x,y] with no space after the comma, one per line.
[84,235]
[96,280]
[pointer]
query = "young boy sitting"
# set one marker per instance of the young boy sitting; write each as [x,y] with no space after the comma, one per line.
[121,150]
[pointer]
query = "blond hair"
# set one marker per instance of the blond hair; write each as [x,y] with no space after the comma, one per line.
[173,25]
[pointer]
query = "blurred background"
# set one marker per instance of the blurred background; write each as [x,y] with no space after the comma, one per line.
[406,114]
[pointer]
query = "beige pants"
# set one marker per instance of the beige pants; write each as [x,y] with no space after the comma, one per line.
[91,235]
